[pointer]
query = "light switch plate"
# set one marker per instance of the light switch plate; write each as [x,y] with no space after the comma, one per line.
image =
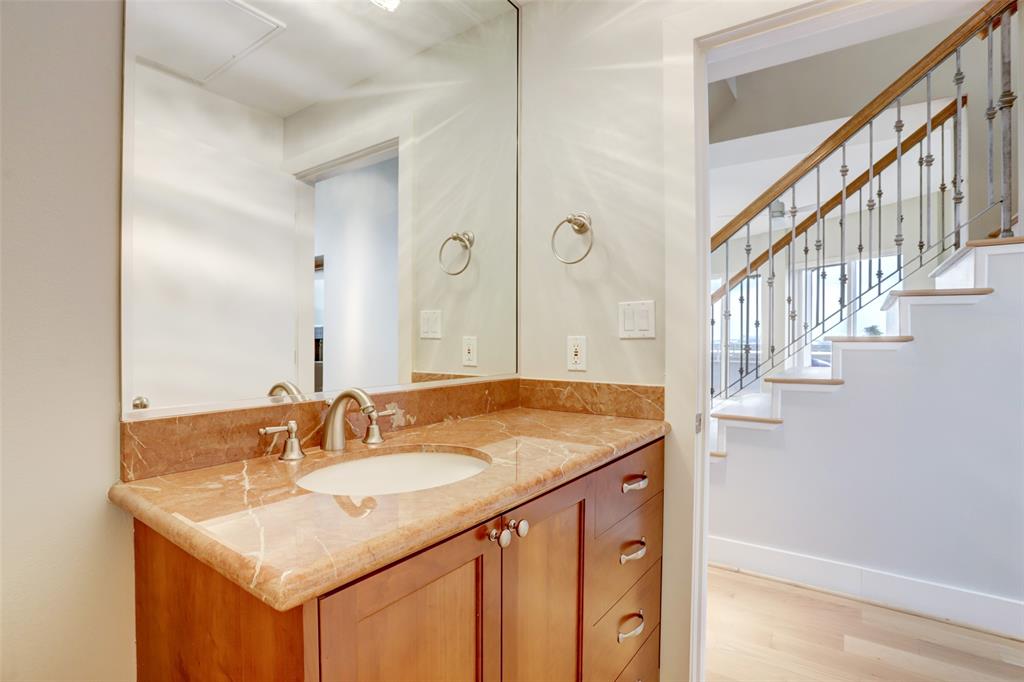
[469,351]
[636,320]
[576,353]
[430,324]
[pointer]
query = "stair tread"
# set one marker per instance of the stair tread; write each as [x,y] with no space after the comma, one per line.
[755,407]
[869,339]
[976,291]
[805,375]
[996,241]
[895,295]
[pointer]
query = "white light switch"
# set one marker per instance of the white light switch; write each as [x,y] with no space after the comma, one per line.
[576,353]
[636,320]
[469,351]
[430,324]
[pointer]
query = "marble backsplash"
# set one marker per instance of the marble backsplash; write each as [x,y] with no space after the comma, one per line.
[165,445]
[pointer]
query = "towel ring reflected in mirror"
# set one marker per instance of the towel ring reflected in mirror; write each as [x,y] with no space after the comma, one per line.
[580,224]
[464,239]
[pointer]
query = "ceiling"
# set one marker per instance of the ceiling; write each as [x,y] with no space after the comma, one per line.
[281,56]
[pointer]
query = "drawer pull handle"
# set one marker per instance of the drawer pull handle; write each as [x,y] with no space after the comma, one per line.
[639,554]
[635,632]
[638,484]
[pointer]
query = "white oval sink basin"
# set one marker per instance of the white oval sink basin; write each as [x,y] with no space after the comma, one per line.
[401,472]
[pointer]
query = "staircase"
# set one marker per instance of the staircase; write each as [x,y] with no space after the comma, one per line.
[882,460]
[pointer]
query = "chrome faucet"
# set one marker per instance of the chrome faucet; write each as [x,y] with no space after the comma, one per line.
[334,422]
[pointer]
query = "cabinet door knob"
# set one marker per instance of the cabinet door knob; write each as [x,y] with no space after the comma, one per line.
[521,527]
[502,537]
[635,632]
[638,484]
[638,554]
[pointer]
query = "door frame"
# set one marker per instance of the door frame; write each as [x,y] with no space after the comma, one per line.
[388,136]
[692,39]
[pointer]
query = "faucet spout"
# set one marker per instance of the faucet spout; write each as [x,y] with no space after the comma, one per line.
[334,422]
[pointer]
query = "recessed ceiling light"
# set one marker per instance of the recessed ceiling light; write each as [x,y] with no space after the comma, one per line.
[389,5]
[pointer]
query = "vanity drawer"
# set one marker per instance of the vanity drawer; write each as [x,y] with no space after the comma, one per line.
[624,485]
[646,665]
[615,639]
[618,557]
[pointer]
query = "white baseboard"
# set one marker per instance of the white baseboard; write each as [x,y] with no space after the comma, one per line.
[945,602]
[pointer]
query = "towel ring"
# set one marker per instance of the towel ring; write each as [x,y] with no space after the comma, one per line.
[580,223]
[466,240]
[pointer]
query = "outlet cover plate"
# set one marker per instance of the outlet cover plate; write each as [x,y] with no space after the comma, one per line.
[576,353]
[469,351]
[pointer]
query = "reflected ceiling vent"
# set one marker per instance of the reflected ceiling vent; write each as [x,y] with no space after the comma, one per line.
[198,40]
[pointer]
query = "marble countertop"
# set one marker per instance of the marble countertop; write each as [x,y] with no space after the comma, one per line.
[285,545]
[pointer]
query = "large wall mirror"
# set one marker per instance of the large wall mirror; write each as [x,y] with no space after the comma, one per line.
[317,194]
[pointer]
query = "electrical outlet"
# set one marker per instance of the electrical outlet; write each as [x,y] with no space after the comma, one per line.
[576,353]
[636,320]
[469,351]
[430,324]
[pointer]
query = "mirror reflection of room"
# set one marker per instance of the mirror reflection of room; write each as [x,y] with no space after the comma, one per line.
[295,173]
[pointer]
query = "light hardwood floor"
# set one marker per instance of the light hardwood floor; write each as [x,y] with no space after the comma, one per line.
[761,630]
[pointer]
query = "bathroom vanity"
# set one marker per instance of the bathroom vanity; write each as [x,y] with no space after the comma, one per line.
[545,566]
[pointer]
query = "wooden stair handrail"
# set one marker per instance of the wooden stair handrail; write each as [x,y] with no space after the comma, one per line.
[978,21]
[947,112]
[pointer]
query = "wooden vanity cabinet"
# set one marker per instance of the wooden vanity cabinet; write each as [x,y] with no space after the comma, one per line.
[434,616]
[574,595]
[542,588]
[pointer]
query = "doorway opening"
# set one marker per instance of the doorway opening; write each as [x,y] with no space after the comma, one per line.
[356,249]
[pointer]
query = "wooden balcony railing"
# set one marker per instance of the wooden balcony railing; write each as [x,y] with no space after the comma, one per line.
[978,22]
[911,141]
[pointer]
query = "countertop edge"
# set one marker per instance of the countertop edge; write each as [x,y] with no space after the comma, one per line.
[205,549]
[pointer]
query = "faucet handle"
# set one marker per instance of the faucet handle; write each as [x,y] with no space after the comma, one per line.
[292,447]
[291,427]
[387,413]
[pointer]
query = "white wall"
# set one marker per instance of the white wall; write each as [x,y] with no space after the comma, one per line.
[67,567]
[453,109]
[357,234]
[592,142]
[906,486]
[213,277]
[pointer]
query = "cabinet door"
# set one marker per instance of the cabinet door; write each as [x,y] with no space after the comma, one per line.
[542,589]
[434,616]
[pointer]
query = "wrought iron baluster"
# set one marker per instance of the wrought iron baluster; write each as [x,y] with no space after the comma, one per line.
[871,198]
[879,261]
[920,202]
[790,296]
[928,161]
[757,324]
[990,114]
[712,345]
[899,192]
[808,290]
[958,195]
[745,367]
[942,185]
[1006,100]
[860,245]
[843,170]
[819,307]
[726,315]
